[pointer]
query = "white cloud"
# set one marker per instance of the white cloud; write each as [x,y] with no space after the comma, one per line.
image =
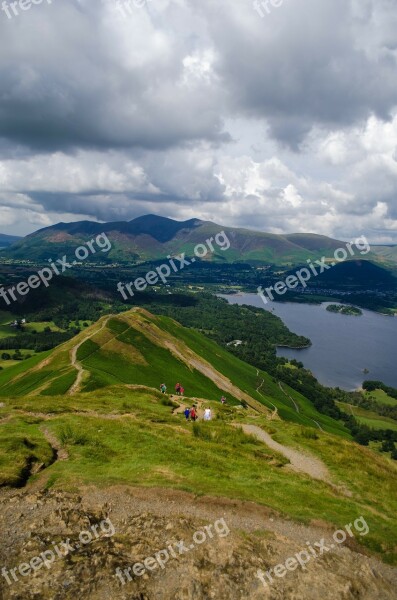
[202,109]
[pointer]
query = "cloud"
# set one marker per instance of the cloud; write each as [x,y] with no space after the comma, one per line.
[286,122]
[83,77]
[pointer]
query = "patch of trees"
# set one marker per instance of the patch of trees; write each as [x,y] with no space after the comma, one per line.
[384,410]
[38,342]
[371,386]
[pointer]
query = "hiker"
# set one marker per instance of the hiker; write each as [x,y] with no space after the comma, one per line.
[187,413]
[207,414]
[223,400]
[182,391]
[178,389]
[193,414]
[163,388]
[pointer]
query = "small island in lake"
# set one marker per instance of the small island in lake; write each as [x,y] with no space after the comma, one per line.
[343,309]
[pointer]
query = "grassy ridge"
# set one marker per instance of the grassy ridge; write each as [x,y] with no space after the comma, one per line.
[382,397]
[123,351]
[115,434]
[250,379]
[144,444]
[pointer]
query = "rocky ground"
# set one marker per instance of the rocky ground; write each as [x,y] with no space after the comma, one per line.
[141,522]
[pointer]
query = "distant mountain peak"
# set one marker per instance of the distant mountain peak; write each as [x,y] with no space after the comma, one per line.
[162,229]
[152,218]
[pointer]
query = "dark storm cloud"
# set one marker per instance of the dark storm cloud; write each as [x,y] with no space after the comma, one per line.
[308,62]
[83,78]
[201,108]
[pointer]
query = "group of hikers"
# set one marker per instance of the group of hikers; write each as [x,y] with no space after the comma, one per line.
[191,414]
[179,389]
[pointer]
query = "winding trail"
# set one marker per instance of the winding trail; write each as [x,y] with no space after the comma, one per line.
[303,463]
[266,400]
[297,407]
[288,396]
[75,363]
[60,452]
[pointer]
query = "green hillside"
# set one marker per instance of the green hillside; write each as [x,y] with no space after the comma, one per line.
[152,237]
[89,413]
[137,348]
[118,435]
[368,417]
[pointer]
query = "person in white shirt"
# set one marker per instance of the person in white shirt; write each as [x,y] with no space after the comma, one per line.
[207,414]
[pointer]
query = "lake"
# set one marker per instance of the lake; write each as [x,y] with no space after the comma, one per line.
[343,346]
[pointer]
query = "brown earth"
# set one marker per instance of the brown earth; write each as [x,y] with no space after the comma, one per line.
[299,461]
[149,520]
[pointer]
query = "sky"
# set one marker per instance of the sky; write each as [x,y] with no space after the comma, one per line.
[278,115]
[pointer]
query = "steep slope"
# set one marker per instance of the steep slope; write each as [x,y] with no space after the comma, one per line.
[387,254]
[137,348]
[152,237]
[124,452]
[109,442]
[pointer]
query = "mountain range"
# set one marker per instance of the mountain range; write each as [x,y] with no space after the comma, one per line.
[7,240]
[153,237]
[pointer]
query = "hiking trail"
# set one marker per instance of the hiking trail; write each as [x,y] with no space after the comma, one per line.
[75,363]
[300,462]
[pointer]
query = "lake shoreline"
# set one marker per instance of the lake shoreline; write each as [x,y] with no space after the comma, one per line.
[331,300]
[295,347]
[341,347]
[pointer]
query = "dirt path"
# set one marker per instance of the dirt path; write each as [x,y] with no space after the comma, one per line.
[297,407]
[275,413]
[144,518]
[288,396]
[300,462]
[61,453]
[182,407]
[74,362]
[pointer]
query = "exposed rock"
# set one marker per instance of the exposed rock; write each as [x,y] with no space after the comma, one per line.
[146,521]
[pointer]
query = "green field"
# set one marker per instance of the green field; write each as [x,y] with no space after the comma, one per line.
[6,364]
[7,331]
[381,397]
[5,319]
[368,417]
[40,326]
